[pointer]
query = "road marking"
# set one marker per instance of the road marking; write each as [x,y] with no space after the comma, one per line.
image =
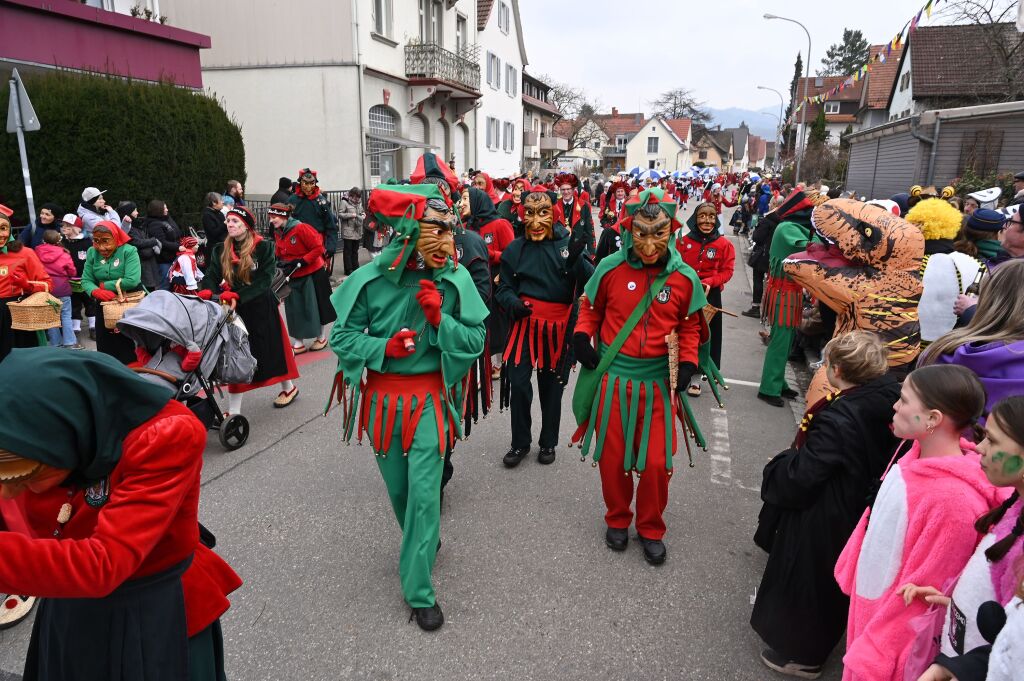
[735,381]
[721,452]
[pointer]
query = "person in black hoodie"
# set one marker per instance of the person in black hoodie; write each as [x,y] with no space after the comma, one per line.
[284,191]
[758,260]
[814,494]
[147,246]
[161,226]
[213,223]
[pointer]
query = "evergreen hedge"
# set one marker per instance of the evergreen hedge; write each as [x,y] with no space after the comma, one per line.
[140,141]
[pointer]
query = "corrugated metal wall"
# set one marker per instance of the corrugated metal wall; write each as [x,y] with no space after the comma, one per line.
[884,166]
[954,135]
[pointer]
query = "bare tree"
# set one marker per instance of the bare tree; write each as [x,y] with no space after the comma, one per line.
[577,112]
[680,103]
[995,19]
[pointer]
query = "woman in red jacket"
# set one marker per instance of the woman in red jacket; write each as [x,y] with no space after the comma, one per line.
[21,273]
[112,490]
[713,256]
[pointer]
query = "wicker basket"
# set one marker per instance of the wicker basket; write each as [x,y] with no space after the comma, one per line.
[36,312]
[113,310]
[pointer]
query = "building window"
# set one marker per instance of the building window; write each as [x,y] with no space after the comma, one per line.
[703,154]
[620,143]
[511,80]
[904,81]
[509,143]
[382,17]
[831,108]
[652,145]
[431,21]
[382,122]
[503,17]
[651,164]
[493,133]
[493,71]
[596,144]
[460,33]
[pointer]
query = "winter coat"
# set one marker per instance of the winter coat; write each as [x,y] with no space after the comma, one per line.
[813,496]
[298,241]
[168,233]
[79,250]
[146,246]
[58,264]
[214,229]
[713,259]
[318,214]
[351,225]
[762,238]
[90,217]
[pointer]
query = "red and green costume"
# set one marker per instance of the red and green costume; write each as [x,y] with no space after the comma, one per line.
[410,407]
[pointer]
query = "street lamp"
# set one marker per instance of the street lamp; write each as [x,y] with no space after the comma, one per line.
[807,77]
[778,132]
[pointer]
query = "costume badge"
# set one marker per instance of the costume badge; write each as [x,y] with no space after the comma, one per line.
[618,242]
[712,252]
[293,241]
[3,270]
[458,252]
[564,252]
[664,294]
[631,286]
[98,494]
[689,246]
[117,261]
[488,239]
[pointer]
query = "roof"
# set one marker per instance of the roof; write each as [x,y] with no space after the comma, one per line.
[882,76]
[851,93]
[958,61]
[680,126]
[483,13]
[757,148]
[539,104]
[739,140]
[620,124]
[721,139]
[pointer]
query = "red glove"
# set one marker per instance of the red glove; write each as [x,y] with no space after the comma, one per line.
[190,362]
[142,356]
[229,296]
[204,294]
[429,299]
[19,280]
[103,294]
[400,345]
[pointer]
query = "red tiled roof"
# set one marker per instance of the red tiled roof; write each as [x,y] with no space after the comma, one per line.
[882,76]
[850,94]
[960,61]
[620,124]
[483,13]
[564,128]
[680,126]
[757,148]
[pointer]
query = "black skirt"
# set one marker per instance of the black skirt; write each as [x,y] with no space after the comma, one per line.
[137,632]
[117,345]
[267,342]
[322,286]
[9,338]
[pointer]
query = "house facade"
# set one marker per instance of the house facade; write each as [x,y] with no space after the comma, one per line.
[499,118]
[840,109]
[878,84]
[740,150]
[660,144]
[358,97]
[617,129]
[713,148]
[540,143]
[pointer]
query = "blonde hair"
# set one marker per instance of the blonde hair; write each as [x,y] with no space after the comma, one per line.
[860,356]
[241,270]
[999,316]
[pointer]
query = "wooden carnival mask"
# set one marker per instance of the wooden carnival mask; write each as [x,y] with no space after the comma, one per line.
[437,240]
[651,230]
[538,216]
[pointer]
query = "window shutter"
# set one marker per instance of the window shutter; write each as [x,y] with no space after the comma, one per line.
[488,133]
[497,72]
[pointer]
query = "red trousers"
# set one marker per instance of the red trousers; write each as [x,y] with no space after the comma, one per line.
[652,484]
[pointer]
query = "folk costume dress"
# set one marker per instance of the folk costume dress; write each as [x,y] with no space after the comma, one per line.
[540,274]
[116,538]
[258,308]
[409,408]
[783,297]
[122,266]
[316,211]
[713,257]
[631,422]
[309,302]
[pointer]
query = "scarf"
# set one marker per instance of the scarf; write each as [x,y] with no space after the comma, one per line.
[699,236]
[100,402]
[481,209]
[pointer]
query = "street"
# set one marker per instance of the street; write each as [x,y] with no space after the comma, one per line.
[528,587]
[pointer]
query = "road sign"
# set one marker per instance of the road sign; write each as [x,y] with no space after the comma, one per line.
[19,103]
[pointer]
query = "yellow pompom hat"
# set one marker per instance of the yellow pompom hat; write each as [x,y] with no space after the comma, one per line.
[936,218]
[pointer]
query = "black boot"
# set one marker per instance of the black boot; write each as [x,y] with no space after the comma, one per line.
[514,456]
[617,539]
[773,400]
[429,619]
[546,455]
[654,551]
[754,312]
[788,393]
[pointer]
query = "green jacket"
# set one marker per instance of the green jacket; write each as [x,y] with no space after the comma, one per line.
[319,215]
[124,264]
[789,238]
[260,281]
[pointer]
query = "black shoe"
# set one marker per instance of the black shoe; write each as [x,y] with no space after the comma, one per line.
[430,618]
[654,551]
[789,393]
[514,456]
[773,400]
[616,539]
[779,663]
[754,312]
[546,455]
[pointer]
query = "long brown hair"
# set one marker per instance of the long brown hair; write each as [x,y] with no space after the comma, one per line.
[1009,414]
[953,390]
[236,261]
[999,316]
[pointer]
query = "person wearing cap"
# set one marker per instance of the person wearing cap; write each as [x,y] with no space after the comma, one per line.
[300,254]
[413,322]
[104,501]
[94,209]
[571,212]
[310,206]
[241,271]
[32,235]
[110,264]
[1018,190]
[74,242]
[21,273]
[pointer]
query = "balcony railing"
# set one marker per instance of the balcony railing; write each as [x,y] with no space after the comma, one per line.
[427,60]
[548,143]
[530,138]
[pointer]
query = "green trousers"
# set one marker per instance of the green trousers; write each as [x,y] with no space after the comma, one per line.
[773,371]
[414,484]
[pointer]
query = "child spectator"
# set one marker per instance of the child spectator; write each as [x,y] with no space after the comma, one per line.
[58,264]
[75,242]
[184,275]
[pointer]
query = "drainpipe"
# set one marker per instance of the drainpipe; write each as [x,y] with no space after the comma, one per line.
[363,158]
[933,141]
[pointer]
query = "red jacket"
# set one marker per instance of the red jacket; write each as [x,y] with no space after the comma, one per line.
[715,261]
[148,524]
[621,290]
[497,234]
[300,242]
[26,262]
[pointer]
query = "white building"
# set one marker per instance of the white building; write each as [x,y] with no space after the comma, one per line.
[500,115]
[355,90]
[660,144]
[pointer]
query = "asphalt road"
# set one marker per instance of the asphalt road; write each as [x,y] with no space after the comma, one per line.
[528,588]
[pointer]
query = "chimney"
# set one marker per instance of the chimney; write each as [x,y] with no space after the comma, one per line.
[615,112]
[638,118]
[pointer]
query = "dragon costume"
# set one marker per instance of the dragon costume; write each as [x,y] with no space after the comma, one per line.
[870,274]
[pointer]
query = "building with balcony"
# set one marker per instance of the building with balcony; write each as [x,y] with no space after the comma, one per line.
[43,34]
[540,143]
[500,114]
[356,93]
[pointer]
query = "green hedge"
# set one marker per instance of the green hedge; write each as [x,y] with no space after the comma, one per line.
[139,141]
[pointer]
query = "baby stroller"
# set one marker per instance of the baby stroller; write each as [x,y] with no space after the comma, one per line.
[163,324]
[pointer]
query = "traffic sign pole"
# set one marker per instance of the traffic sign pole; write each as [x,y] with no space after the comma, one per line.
[15,110]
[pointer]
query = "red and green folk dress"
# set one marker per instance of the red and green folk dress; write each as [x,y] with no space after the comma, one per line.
[308,307]
[630,426]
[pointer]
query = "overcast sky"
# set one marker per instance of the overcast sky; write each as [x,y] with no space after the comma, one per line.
[625,53]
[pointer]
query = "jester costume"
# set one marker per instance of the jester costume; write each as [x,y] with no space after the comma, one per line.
[414,323]
[783,297]
[629,418]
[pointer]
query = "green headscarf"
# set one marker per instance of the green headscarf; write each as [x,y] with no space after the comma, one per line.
[400,207]
[10,235]
[84,405]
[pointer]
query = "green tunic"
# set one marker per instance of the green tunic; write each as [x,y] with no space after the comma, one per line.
[123,264]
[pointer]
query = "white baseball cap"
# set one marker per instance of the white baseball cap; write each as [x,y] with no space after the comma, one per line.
[71,219]
[90,193]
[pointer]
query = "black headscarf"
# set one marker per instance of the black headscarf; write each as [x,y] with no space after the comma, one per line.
[699,236]
[86,404]
[481,208]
